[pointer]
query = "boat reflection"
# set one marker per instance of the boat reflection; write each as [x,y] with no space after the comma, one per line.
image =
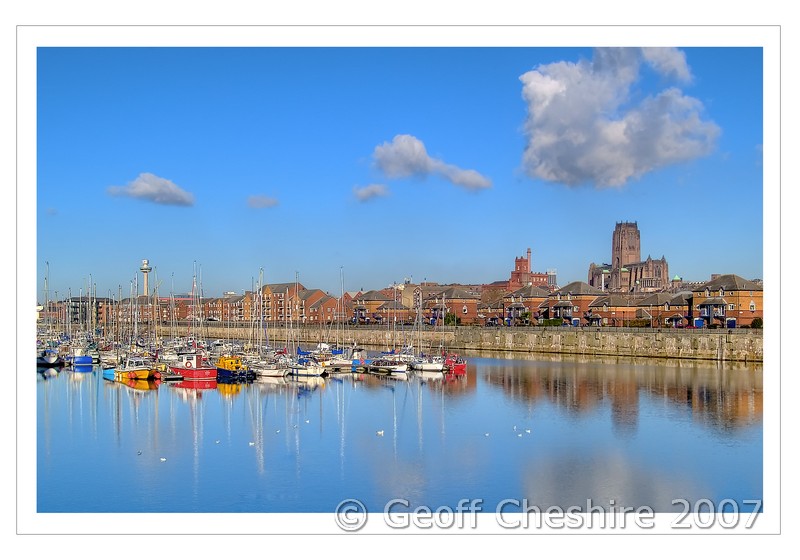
[47,373]
[228,390]
[140,384]
[194,385]
[305,384]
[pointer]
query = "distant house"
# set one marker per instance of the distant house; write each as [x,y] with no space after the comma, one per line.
[490,313]
[613,310]
[664,309]
[280,301]
[365,307]
[323,310]
[570,303]
[461,304]
[394,312]
[522,306]
[728,301]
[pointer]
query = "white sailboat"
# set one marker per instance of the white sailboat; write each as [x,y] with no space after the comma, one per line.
[266,364]
[429,365]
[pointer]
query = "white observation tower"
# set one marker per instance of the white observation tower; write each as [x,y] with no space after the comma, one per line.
[145,269]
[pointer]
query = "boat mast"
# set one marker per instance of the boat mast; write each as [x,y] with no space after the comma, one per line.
[136,309]
[340,313]
[155,308]
[118,319]
[47,301]
[260,311]
[171,308]
[193,304]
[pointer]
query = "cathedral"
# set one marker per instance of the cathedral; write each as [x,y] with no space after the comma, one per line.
[627,272]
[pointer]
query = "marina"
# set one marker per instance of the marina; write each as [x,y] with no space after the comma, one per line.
[278,355]
[553,430]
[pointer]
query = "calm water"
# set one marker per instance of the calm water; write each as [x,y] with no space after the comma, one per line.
[554,431]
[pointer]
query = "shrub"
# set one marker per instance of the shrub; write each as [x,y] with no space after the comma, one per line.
[450,319]
[550,322]
[757,323]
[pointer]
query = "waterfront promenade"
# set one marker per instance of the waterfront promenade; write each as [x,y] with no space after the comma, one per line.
[735,345]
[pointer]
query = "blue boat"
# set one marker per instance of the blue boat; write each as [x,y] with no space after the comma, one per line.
[82,360]
[232,369]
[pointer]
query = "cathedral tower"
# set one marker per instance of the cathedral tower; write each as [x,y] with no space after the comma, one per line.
[625,245]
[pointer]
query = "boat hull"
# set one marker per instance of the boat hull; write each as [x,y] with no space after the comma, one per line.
[271,371]
[224,374]
[82,361]
[195,374]
[457,369]
[428,366]
[307,371]
[135,373]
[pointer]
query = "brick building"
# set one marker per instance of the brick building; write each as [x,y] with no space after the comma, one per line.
[627,272]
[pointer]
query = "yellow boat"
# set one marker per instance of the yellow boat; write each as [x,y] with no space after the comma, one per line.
[135,368]
[230,363]
[232,368]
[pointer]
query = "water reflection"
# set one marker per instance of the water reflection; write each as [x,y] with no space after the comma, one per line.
[554,431]
[719,398]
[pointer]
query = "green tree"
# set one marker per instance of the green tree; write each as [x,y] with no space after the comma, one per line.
[450,319]
[757,323]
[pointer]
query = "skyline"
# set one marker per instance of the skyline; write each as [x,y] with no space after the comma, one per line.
[384,163]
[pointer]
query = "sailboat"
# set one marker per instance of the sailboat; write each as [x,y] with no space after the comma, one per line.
[193,364]
[47,352]
[266,363]
[425,365]
[304,363]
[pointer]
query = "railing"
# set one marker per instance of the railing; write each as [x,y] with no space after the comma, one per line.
[181,326]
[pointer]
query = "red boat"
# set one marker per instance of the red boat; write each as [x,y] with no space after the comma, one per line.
[455,364]
[194,367]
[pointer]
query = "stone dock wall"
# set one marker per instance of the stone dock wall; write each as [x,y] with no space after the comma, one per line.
[739,345]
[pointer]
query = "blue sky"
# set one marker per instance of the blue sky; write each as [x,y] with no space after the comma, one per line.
[379,164]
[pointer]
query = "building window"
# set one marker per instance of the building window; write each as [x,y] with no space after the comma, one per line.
[464,310]
[752,306]
[731,307]
[575,309]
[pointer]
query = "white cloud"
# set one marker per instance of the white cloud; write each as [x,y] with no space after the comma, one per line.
[155,189]
[370,191]
[259,201]
[405,156]
[669,62]
[583,129]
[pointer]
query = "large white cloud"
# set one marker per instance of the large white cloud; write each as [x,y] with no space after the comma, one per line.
[406,156]
[583,127]
[154,189]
